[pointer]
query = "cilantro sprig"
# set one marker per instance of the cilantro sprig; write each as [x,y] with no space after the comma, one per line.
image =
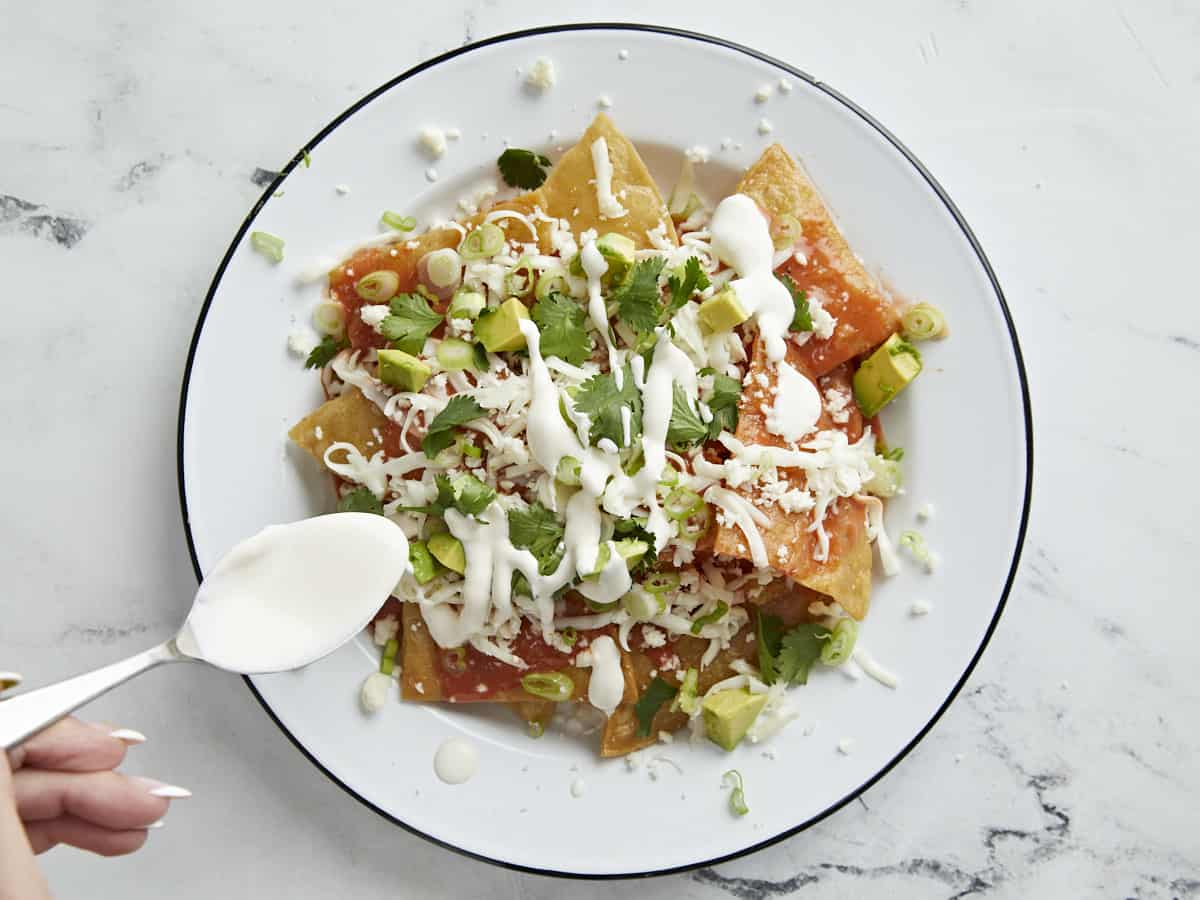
[686,429]
[522,168]
[601,399]
[683,286]
[463,492]
[788,656]
[723,404]
[412,320]
[639,299]
[440,434]
[802,319]
[656,694]
[539,531]
[563,332]
[360,500]
[324,352]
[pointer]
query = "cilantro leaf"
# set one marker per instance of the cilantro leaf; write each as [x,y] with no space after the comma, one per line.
[656,694]
[635,529]
[770,637]
[466,493]
[537,530]
[440,434]
[601,399]
[481,357]
[638,299]
[686,428]
[802,320]
[801,647]
[412,320]
[693,279]
[324,352]
[522,168]
[360,500]
[723,404]
[560,320]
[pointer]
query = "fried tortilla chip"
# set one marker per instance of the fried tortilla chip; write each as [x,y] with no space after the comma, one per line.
[349,417]
[845,574]
[865,313]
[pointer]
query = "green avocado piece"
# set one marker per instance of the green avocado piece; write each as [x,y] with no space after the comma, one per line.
[448,550]
[885,373]
[617,251]
[403,370]
[728,715]
[724,312]
[424,567]
[629,549]
[500,329]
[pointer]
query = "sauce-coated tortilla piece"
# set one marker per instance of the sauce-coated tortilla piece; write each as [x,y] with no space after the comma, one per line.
[845,574]
[865,314]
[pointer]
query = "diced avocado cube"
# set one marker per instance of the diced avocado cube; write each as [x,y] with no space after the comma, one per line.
[403,370]
[448,550]
[884,374]
[724,312]
[728,715]
[628,549]
[617,251]
[423,565]
[499,329]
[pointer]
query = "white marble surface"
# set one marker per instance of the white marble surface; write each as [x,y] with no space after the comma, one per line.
[1069,135]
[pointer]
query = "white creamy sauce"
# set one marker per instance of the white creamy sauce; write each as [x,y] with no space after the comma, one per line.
[295,593]
[797,405]
[872,667]
[374,692]
[594,266]
[577,788]
[606,687]
[741,238]
[610,207]
[456,760]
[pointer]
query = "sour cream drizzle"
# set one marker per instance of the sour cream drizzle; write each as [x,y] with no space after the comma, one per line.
[741,238]
[610,207]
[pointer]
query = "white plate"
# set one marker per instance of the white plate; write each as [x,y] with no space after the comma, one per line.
[965,425]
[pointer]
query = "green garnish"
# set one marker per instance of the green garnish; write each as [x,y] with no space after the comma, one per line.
[561,323]
[693,279]
[411,322]
[687,701]
[325,351]
[522,168]
[638,299]
[539,531]
[269,245]
[601,399]
[389,657]
[466,493]
[801,648]
[440,435]
[484,241]
[657,693]
[360,500]
[716,615]
[481,358]
[556,686]
[770,637]
[895,454]
[802,320]
[723,404]
[682,503]
[424,566]
[397,222]
[923,322]
[737,796]
[686,429]
[307,159]
[915,542]
[840,645]
[569,636]
[660,582]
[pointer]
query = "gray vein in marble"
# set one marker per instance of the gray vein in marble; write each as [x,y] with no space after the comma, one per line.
[139,172]
[32,219]
[1184,341]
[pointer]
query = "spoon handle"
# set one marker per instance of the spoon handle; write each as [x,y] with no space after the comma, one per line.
[28,713]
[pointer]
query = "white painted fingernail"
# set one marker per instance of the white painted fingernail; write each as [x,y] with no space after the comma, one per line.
[159,824]
[159,789]
[10,680]
[128,736]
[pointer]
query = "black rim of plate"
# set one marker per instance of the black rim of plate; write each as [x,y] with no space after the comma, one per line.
[933,184]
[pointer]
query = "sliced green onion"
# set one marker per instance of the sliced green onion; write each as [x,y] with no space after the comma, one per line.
[687,701]
[454,355]
[737,797]
[466,305]
[641,604]
[916,545]
[661,582]
[838,647]
[518,282]
[397,222]
[269,245]
[536,729]
[443,268]
[923,322]
[680,203]
[307,159]
[469,449]
[682,503]
[600,607]
[484,241]
[329,319]
[886,477]
[895,454]
[786,230]
[569,636]
[378,287]
[568,471]
[555,686]
[696,526]
[387,664]
[715,616]
[550,283]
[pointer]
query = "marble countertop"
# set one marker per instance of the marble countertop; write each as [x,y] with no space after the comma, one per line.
[1069,135]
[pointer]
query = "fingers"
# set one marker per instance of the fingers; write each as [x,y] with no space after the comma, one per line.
[108,799]
[83,834]
[73,746]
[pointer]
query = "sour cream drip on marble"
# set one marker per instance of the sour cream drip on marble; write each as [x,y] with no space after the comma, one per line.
[741,238]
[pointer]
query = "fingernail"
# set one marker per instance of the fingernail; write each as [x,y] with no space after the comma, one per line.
[10,680]
[159,824]
[128,736]
[166,791]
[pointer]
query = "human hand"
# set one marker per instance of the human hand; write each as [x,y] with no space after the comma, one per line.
[62,790]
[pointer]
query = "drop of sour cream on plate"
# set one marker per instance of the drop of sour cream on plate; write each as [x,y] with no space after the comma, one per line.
[294,593]
[456,760]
